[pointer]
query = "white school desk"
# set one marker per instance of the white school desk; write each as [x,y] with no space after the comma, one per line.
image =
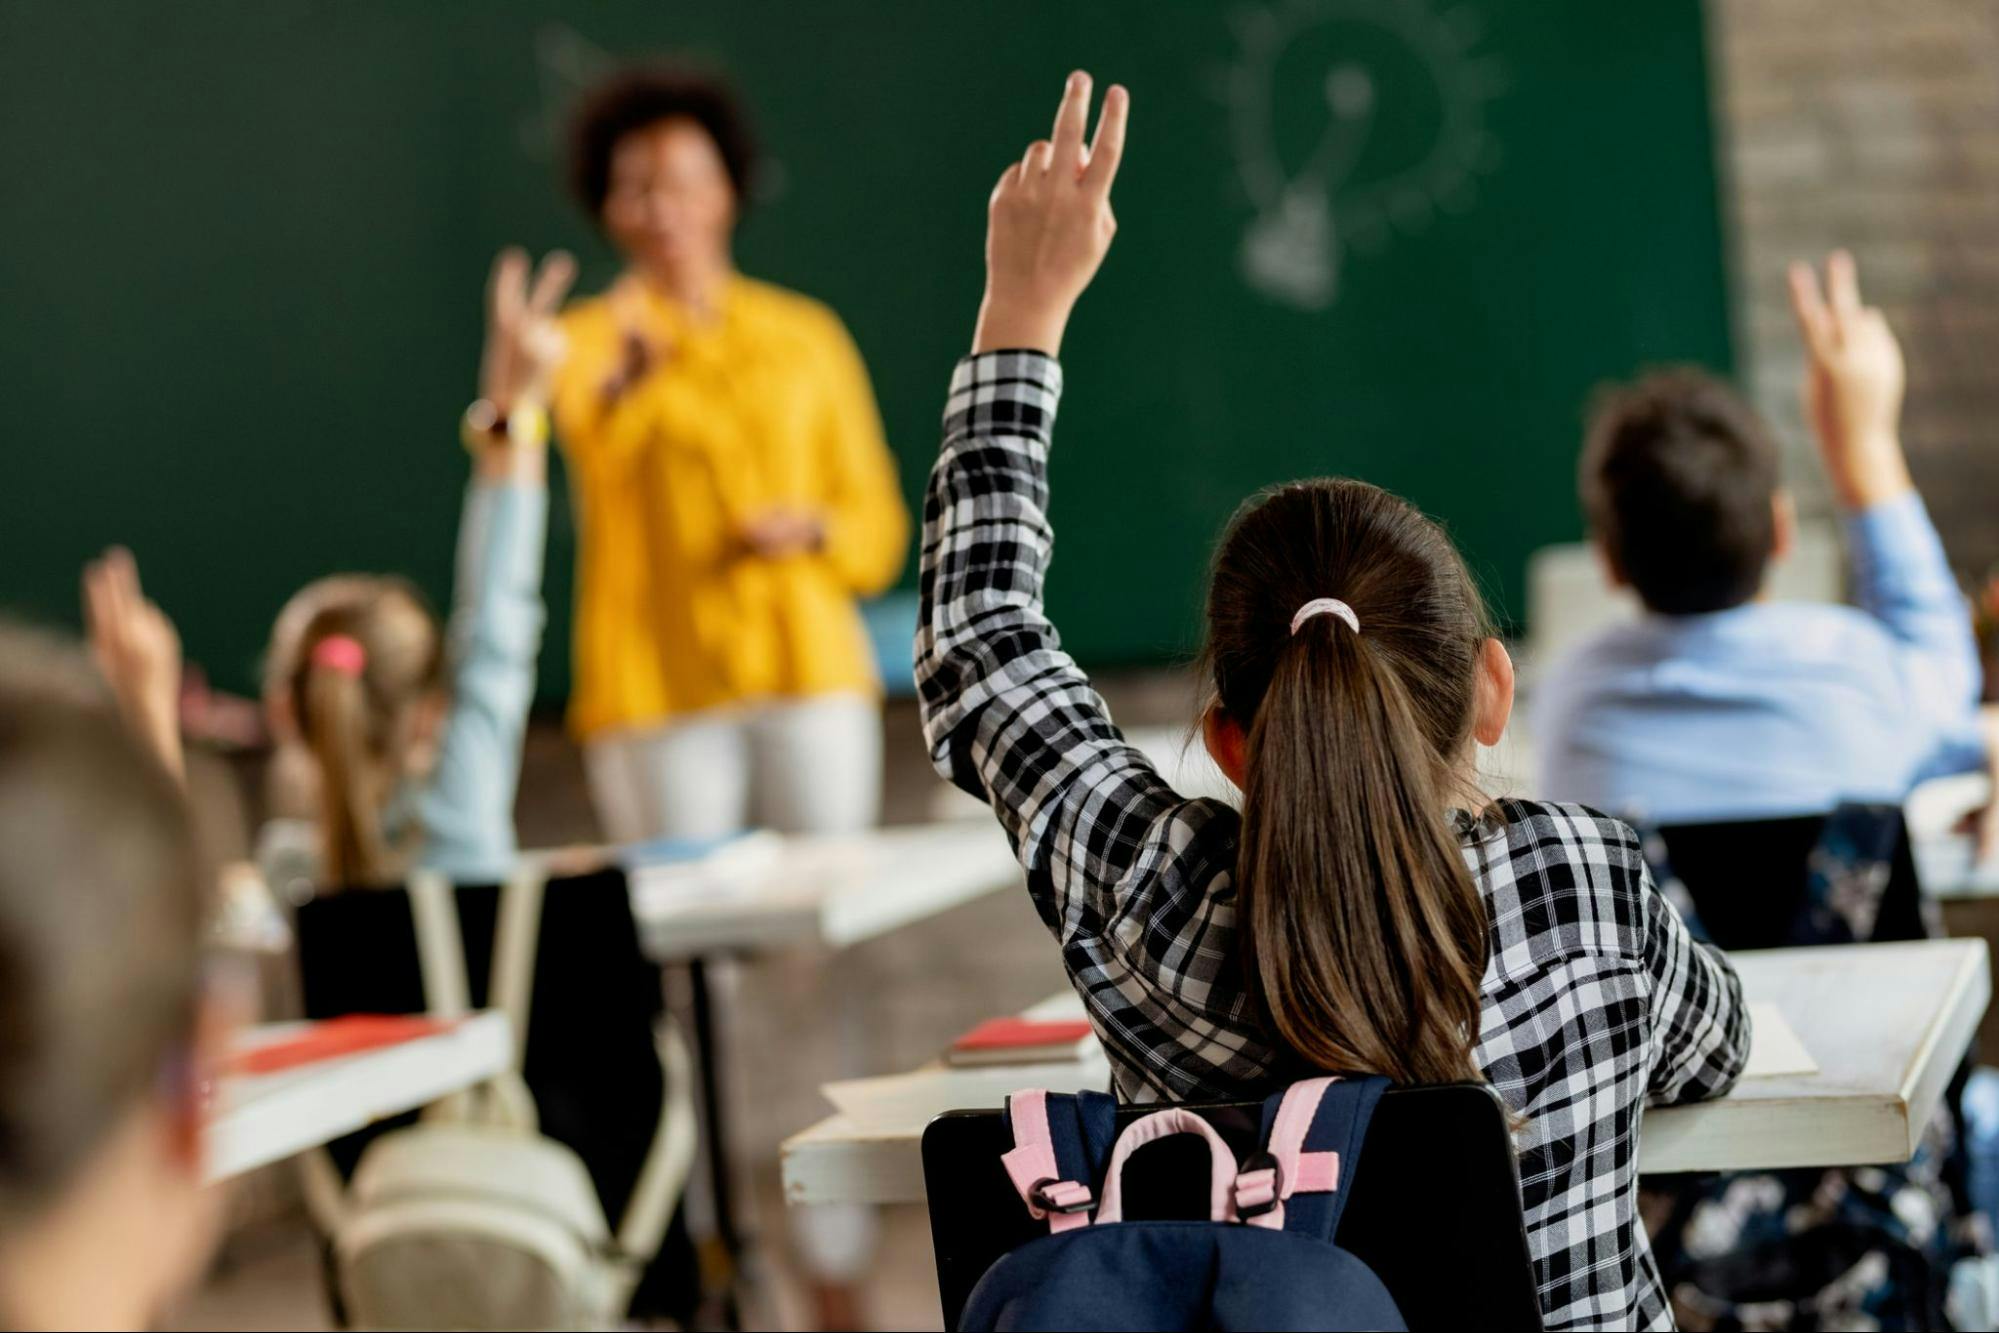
[1886,1023]
[264,1118]
[1944,857]
[831,891]
[834,890]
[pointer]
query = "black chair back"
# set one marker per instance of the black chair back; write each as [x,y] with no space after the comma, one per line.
[1837,878]
[1840,878]
[1435,1209]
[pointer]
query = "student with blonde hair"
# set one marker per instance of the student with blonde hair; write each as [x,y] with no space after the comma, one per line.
[400,738]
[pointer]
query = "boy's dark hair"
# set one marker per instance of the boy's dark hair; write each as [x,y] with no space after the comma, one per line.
[1677,478]
[638,98]
[101,905]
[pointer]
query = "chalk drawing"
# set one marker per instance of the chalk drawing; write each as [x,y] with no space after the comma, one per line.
[566,63]
[1310,213]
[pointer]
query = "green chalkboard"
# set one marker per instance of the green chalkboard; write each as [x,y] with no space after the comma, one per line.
[242,245]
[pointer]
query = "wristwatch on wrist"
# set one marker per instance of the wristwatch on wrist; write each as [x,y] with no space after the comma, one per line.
[485,425]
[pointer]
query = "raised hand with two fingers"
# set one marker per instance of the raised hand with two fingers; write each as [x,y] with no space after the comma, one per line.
[523,342]
[508,424]
[1049,224]
[1854,378]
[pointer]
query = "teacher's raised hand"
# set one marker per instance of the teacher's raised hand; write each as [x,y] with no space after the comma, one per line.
[1049,224]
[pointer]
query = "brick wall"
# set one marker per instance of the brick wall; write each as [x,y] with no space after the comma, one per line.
[1874,124]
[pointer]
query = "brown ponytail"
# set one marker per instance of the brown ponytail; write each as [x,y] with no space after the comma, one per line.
[1363,932]
[351,784]
[353,709]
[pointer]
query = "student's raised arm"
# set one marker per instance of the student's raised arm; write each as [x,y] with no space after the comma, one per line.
[137,649]
[497,614]
[1007,713]
[1853,387]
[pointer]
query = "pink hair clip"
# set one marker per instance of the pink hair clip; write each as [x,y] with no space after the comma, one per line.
[1326,606]
[342,653]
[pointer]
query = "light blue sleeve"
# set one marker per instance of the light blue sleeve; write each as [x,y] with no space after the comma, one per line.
[1902,579]
[1550,709]
[1959,749]
[467,807]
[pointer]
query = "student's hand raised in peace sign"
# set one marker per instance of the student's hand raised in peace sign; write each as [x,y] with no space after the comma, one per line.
[1853,383]
[523,343]
[1049,225]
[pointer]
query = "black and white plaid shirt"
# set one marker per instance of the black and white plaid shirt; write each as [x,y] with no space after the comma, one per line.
[1595,997]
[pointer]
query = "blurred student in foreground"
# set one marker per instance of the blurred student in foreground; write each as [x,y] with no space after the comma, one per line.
[1720,705]
[103,1029]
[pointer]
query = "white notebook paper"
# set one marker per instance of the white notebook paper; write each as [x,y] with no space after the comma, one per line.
[1774,1048]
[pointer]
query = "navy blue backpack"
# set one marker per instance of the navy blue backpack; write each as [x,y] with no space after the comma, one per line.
[1263,1258]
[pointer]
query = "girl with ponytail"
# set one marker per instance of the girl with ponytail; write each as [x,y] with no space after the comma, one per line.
[400,744]
[1345,723]
[397,744]
[1366,909]
[360,688]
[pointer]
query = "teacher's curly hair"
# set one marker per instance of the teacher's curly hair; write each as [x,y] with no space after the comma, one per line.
[643,96]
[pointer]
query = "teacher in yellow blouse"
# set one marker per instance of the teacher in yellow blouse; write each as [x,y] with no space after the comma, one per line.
[734,494]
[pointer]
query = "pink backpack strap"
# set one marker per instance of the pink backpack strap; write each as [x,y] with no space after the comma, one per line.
[1158,1125]
[1031,1166]
[1284,1168]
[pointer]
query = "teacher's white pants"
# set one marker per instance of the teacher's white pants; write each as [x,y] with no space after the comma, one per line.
[797,766]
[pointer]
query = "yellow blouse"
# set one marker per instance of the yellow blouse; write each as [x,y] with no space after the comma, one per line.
[766,404]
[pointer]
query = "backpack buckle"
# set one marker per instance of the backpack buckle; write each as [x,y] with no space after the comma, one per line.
[1259,1185]
[1060,1196]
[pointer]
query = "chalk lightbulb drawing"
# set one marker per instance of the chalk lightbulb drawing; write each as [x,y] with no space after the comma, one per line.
[1369,170]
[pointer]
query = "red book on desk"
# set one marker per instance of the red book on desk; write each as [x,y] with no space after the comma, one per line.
[334,1037]
[1021,1041]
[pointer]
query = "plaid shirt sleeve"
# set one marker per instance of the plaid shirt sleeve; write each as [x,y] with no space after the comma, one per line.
[1700,1026]
[1134,881]
[1007,714]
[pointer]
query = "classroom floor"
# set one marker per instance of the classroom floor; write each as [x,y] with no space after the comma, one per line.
[884,1005]
[270,1278]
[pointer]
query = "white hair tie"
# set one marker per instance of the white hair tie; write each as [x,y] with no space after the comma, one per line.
[1326,606]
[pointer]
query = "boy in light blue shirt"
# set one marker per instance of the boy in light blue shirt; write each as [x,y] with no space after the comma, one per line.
[1718,705]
